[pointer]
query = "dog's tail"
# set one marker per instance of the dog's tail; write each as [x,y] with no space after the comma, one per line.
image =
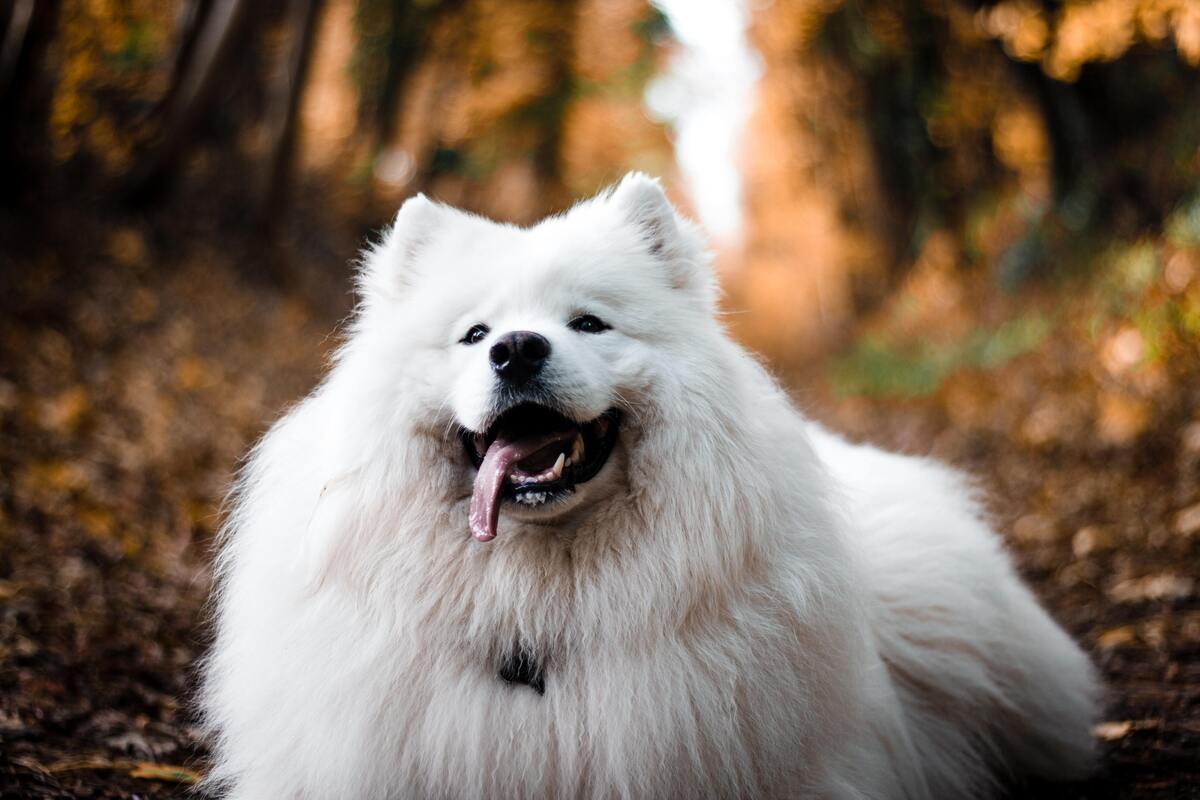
[991,689]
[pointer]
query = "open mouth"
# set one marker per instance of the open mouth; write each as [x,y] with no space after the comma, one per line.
[533,455]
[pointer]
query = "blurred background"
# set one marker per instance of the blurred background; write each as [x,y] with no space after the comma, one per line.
[956,227]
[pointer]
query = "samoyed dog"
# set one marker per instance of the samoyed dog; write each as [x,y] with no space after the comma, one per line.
[545,531]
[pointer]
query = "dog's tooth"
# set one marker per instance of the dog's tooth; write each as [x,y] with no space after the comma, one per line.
[577,449]
[558,465]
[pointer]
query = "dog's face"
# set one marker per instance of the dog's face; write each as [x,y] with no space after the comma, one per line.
[536,347]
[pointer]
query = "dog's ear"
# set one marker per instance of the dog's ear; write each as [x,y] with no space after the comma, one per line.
[388,265]
[644,203]
[672,240]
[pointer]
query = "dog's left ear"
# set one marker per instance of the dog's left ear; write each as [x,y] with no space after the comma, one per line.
[668,237]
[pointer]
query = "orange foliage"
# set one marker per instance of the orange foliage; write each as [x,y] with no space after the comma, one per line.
[107,48]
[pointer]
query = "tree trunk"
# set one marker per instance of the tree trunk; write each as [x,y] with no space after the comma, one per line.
[220,33]
[302,19]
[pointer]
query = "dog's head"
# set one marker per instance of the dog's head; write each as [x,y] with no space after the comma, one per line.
[541,350]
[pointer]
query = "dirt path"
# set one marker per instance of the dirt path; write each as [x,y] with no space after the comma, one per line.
[133,375]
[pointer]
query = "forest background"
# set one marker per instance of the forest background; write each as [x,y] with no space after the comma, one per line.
[963,228]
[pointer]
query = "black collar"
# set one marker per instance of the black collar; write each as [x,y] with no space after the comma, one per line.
[521,666]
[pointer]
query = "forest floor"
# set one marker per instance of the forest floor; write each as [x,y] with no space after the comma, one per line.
[136,370]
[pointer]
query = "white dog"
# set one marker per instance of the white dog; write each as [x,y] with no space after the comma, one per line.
[546,531]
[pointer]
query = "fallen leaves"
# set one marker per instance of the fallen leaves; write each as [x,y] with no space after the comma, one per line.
[1164,586]
[193,373]
[1187,521]
[1190,438]
[45,483]
[62,414]
[143,306]
[1156,631]
[145,770]
[1115,638]
[100,523]
[127,246]
[1034,528]
[117,441]
[163,772]
[1090,539]
[1111,731]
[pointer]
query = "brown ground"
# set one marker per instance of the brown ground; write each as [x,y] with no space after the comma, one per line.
[134,372]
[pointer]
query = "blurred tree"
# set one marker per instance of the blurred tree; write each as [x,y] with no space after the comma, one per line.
[26,27]
[207,35]
[1015,133]
[511,107]
[392,39]
[515,107]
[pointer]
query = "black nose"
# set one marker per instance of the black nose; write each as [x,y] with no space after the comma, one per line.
[518,356]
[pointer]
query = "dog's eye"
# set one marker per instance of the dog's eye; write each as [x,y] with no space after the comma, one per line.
[475,334]
[588,323]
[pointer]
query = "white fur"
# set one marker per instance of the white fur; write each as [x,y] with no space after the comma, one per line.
[740,605]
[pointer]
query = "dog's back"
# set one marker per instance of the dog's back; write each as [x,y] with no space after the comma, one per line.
[989,684]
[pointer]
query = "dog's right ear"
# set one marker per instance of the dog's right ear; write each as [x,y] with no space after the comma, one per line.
[672,240]
[388,265]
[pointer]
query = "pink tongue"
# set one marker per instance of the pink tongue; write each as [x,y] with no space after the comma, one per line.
[501,457]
